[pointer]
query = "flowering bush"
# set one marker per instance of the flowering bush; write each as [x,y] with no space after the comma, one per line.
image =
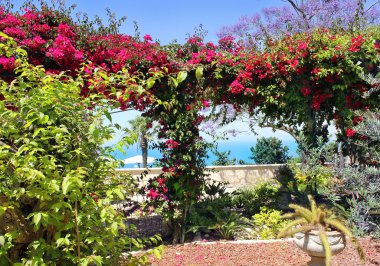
[304,81]
[58,185]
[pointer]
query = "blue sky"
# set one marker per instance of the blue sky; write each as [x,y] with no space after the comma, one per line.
[173,19]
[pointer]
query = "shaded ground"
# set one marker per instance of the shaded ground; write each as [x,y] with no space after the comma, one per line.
[274,253]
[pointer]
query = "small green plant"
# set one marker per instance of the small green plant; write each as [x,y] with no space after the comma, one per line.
[251,199]
[227,228]
[268,223]
[317,218]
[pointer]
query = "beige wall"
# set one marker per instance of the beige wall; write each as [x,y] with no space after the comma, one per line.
[237,175]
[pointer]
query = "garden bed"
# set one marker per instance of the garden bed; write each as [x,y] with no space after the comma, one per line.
[276,252]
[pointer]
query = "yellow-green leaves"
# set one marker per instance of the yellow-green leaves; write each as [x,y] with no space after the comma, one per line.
[73,180]
[199,73]
[182,75]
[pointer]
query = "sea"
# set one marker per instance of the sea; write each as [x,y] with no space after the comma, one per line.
[239,150]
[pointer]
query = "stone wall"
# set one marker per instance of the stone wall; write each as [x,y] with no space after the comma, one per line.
[236,175]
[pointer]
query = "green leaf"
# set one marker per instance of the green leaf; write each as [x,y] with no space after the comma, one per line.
[181,76]
[37,218]
[2,210]
[2,240]
[150,83]
[175,82]
[118,193]
[157,253]
[108,115]
[66,185]
[97,260]
[114,228]
[199,73]
[176,186]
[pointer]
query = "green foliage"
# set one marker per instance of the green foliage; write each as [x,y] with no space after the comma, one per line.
[228,226]
[222,158]
[269,151]
[359,185]
[313,175]
[268,223]
[58,186]
[253,198]
[206,213]
[317,218]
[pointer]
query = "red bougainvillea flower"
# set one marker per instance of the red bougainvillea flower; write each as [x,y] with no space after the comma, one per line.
[315,70]
[302,46]
[171,144]
[377,46]
[356,44]
[305,91]
[357,119]
[94,196]
[161,181]
[350,132]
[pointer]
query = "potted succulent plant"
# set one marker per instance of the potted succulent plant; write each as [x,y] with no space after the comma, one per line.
[318,232]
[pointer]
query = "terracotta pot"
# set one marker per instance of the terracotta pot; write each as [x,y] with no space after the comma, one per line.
[311,243]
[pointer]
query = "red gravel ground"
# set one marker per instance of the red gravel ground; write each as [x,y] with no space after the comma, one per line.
[275,253]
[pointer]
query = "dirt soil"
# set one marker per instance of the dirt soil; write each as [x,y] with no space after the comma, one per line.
[276,253]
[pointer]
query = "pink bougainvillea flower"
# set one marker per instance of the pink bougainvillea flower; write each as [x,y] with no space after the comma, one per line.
[147,38]
[171,144]
[236,87]
[65,30]
[15,32]
[7,64]
[153,194]
[205,103]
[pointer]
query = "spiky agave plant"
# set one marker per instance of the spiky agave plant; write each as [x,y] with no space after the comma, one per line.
[317,218]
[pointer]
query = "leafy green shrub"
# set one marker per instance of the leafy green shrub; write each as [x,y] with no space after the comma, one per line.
[57,180]
[215,206]
[313,176]
[268,223]
[269,151]
[253,198]
[358,186]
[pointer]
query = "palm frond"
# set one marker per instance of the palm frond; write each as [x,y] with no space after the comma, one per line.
[284,231]
[313,207]
[302,211]
[342,228]
[304,228]
[326,245]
